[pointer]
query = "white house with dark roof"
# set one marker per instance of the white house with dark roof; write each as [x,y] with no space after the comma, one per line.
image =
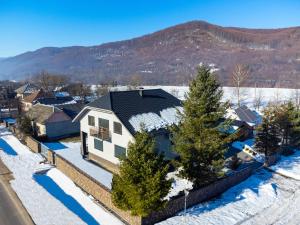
[109,123]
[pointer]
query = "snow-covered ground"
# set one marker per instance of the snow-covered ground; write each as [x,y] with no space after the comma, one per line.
[247,94]
[264,198]
[289,166]
[51,198]
[72,154]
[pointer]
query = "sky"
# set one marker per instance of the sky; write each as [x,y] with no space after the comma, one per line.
[26,25]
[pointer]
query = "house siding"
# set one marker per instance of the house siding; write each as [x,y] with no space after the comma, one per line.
[62,128]
[116,139]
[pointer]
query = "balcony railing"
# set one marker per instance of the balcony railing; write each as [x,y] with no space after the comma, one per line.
[100,132]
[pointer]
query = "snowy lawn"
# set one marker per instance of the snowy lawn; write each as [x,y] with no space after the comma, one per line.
[72,154]
[261,199]
[289,166]
[52,198]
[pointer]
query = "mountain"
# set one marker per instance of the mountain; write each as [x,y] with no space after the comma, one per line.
[170,56]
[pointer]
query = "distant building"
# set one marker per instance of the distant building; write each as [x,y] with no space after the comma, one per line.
[26,90]
[53,122]
[109,123]
[245,114]
[28,101]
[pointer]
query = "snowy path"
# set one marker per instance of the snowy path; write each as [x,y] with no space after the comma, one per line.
[50,199]
[264,198]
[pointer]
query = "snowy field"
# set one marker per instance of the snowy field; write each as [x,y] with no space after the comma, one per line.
[51,198]
[247,94]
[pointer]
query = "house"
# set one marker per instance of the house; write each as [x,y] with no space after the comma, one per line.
[56,100]
[28,101]
[26,90]
[51,122]
[243,113]
[109,123]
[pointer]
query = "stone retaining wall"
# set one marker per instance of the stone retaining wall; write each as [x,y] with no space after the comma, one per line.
[103,195]
[33,144]
[200,195]
[92,187]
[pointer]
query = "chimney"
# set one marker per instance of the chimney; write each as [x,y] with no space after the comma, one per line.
[141,91]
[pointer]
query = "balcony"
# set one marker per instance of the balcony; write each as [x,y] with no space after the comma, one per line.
[100,132]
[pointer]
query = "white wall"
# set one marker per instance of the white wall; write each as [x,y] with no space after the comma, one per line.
[108,147]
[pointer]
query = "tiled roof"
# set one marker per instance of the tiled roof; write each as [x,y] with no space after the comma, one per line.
[126,104]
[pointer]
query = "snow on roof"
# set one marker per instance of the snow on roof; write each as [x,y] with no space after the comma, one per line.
[152,121]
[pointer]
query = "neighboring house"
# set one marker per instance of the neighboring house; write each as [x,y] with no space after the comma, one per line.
[241,129]
[52,122]
[56,100]
[245,114]
[109,123]
[31,99]
[26,90]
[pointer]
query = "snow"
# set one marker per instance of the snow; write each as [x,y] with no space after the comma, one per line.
[179,184]
[92,213]
[247,94]
[49,196]
[72,154]
[262,199]
[289,166]
[153,121]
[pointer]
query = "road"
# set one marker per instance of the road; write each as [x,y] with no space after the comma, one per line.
[12,211]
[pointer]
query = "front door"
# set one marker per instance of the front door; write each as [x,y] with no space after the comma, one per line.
[85,150]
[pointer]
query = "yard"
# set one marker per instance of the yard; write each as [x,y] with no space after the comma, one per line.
[264,198]
[66,203]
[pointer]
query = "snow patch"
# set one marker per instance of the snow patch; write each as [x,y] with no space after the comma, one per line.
[152,121]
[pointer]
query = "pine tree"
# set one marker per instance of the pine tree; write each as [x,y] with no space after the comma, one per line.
[198,139]
[267,140]
[294,125]
[141,185]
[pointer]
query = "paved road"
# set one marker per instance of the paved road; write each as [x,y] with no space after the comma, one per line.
[12,211]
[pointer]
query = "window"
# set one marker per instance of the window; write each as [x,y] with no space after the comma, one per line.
[103,123]
[98,144]
[118,128]
[91,120]
[120,151]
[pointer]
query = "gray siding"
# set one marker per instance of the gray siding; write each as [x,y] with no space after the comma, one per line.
[60,129]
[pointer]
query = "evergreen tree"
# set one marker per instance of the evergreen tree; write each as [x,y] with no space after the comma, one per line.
[267,140]
[141,185]
[24,123]
[198,139]
[294,118]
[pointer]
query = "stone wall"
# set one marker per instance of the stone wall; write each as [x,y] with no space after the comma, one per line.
[104,163]
[94,188]
[175,205]
[33,144]
[200,195]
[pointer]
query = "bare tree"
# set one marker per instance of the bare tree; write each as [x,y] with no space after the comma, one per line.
[239,75]
[101,90]
[258,100]
[50,81]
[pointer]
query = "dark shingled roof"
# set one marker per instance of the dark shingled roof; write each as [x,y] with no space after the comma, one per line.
[54,100]
[245,114]
[126,104]
[71,109]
